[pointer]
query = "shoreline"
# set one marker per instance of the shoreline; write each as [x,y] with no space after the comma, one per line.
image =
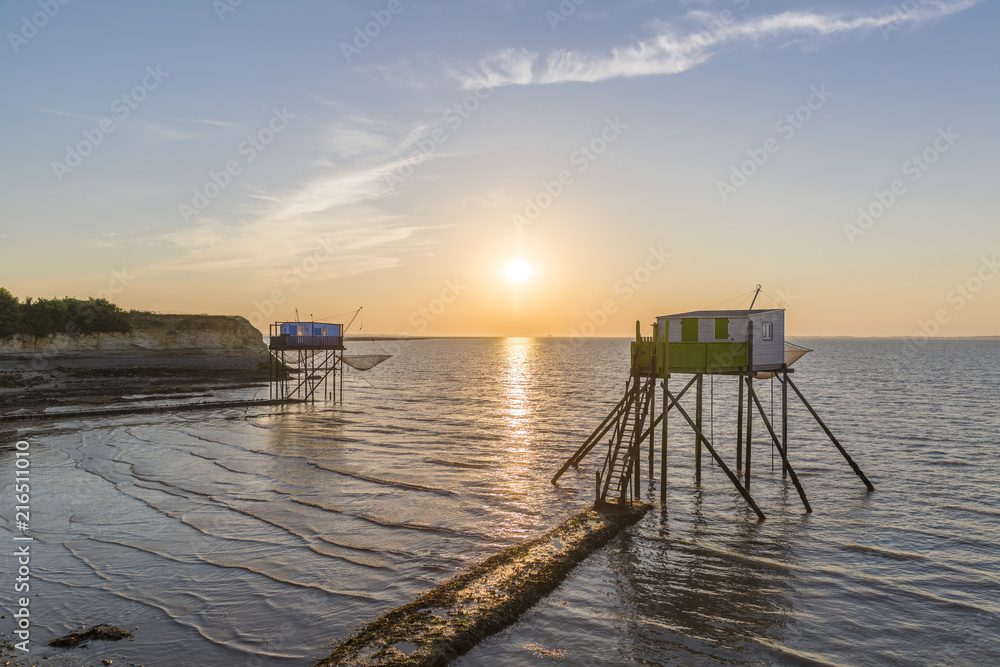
[33,394]
[137,409]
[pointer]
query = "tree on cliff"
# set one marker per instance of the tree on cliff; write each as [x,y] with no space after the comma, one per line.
[44,317]
[10,313]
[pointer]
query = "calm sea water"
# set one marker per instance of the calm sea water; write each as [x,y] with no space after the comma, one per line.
[256,537]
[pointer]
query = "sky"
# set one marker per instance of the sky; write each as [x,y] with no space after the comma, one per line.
[507,168]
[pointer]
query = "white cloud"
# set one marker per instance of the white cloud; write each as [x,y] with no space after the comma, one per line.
[166,133]
[679,46]
[351,244]
[341,206]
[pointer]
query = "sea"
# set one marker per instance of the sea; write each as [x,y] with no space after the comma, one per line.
[263,535]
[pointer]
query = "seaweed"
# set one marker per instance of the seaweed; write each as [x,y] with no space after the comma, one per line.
[451,619]
[103,632]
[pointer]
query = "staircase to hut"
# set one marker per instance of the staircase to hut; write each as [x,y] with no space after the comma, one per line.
[629,418]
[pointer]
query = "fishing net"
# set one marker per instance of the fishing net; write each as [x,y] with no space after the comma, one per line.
[793,353]
[364,362]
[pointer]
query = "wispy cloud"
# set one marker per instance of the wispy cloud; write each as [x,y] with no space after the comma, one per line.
[334,191]
[326,210]
[58,113]
[680,45]
[201,121]
[262,247]
[166,133]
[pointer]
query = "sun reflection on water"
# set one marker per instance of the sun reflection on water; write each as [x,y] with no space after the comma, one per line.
[517,454]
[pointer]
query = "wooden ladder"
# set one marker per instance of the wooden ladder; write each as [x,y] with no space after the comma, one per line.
[623,448]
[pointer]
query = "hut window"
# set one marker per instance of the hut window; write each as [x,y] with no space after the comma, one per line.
[767,330]
[721,328]
[689,330]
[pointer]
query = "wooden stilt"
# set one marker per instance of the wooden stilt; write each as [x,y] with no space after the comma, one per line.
[746,472]
[592,440]
[637,454]
[829,433]
[656,422]
[722,464]
[784,417]
[652,403]
[652,439]
[698,425]
[739,427]
[663,447]
[774,440]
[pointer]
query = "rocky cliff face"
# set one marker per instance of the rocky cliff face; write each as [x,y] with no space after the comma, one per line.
[174,341]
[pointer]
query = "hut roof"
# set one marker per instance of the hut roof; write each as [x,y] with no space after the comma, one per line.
[724,313]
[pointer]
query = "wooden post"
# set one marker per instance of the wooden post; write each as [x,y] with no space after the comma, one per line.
[593,440]
[829,433]
[637,434]
[697,439]
[785,465]
[746,470]
[718,459]
[739,428]
[784,416]
[746,474]
[663,447]
[597,497]
[637,473]
[652,405]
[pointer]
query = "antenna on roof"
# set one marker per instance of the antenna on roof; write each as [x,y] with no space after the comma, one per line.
[754,298]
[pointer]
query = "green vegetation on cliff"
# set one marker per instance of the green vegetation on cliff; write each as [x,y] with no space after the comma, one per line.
[44,317]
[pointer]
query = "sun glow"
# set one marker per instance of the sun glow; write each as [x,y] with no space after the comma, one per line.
[517,271]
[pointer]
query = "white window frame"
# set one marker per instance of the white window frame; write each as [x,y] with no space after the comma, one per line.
[767,330]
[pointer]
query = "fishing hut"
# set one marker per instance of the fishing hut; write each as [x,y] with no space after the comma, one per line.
[739,345]
[306,360]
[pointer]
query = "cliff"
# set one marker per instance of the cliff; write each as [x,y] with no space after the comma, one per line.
[154,341]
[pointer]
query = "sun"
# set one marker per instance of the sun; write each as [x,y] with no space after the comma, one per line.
[517,271]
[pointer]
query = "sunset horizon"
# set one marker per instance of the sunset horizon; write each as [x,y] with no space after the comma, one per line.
[507,170]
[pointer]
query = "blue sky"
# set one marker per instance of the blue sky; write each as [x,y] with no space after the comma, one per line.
[252,158]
